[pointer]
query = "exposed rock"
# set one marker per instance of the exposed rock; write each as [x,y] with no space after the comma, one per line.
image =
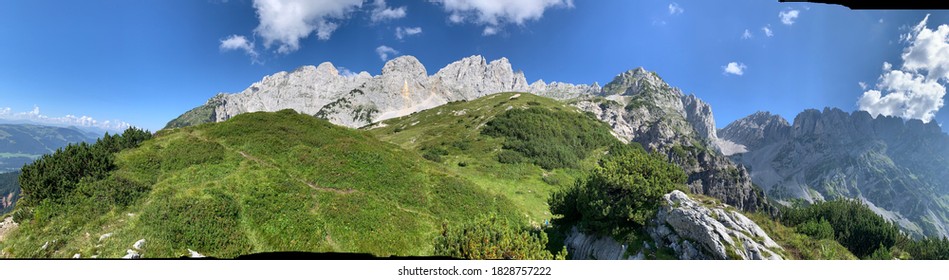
[7,226]
[195,254]
[139,244]
[104,236]
[402,88]
[583,246]
[641,107]
[699,115]
[76,256]
[757,129]
[563,91]
[132,254]
[695,231]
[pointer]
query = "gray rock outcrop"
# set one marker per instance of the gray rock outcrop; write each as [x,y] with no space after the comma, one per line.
[756,130]
[691,229]
[695,232]
[132,254]
[582,246]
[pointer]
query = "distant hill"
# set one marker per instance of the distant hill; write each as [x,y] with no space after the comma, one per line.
[22,143]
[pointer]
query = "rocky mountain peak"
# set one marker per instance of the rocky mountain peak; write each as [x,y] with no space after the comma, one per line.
[326,69]
[405,65]
[638,81]
[755,129]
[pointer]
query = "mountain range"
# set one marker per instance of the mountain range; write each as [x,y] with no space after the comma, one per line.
[312,160]
[900,159]
[900,168]
[638,105]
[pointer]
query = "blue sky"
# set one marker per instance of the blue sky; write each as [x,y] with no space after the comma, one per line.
[146,62]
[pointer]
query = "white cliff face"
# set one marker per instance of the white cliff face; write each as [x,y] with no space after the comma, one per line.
[403,87]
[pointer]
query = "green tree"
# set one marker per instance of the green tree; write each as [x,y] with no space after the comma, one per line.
[494,238]
[623,193]
[56,175]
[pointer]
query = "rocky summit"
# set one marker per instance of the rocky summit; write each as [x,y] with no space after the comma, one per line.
[898,168]
[642,108]
[403,87]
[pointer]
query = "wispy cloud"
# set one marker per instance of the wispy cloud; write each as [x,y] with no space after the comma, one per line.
[734,68]
[788,17]
[384,52]
[675,9]
[746,35]
[402,32]
[767,31]
[237,42]
[69,120]
[381,12]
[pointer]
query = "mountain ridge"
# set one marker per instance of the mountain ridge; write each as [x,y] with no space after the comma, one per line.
[637,104]
[897,167]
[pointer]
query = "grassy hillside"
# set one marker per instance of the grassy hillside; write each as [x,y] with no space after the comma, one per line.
[516,145]
[258,182]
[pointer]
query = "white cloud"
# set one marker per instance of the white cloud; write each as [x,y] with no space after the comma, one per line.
[285,22]
[495,13]
[384,52]
[489,30]
[788,17]
[928,51]
[862,85]
[68,120]
[402,32]
[236,42]
[767,31]
[746,35]
[675,9]
[916,90]
[380,12]
[735,68]
[909,96]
